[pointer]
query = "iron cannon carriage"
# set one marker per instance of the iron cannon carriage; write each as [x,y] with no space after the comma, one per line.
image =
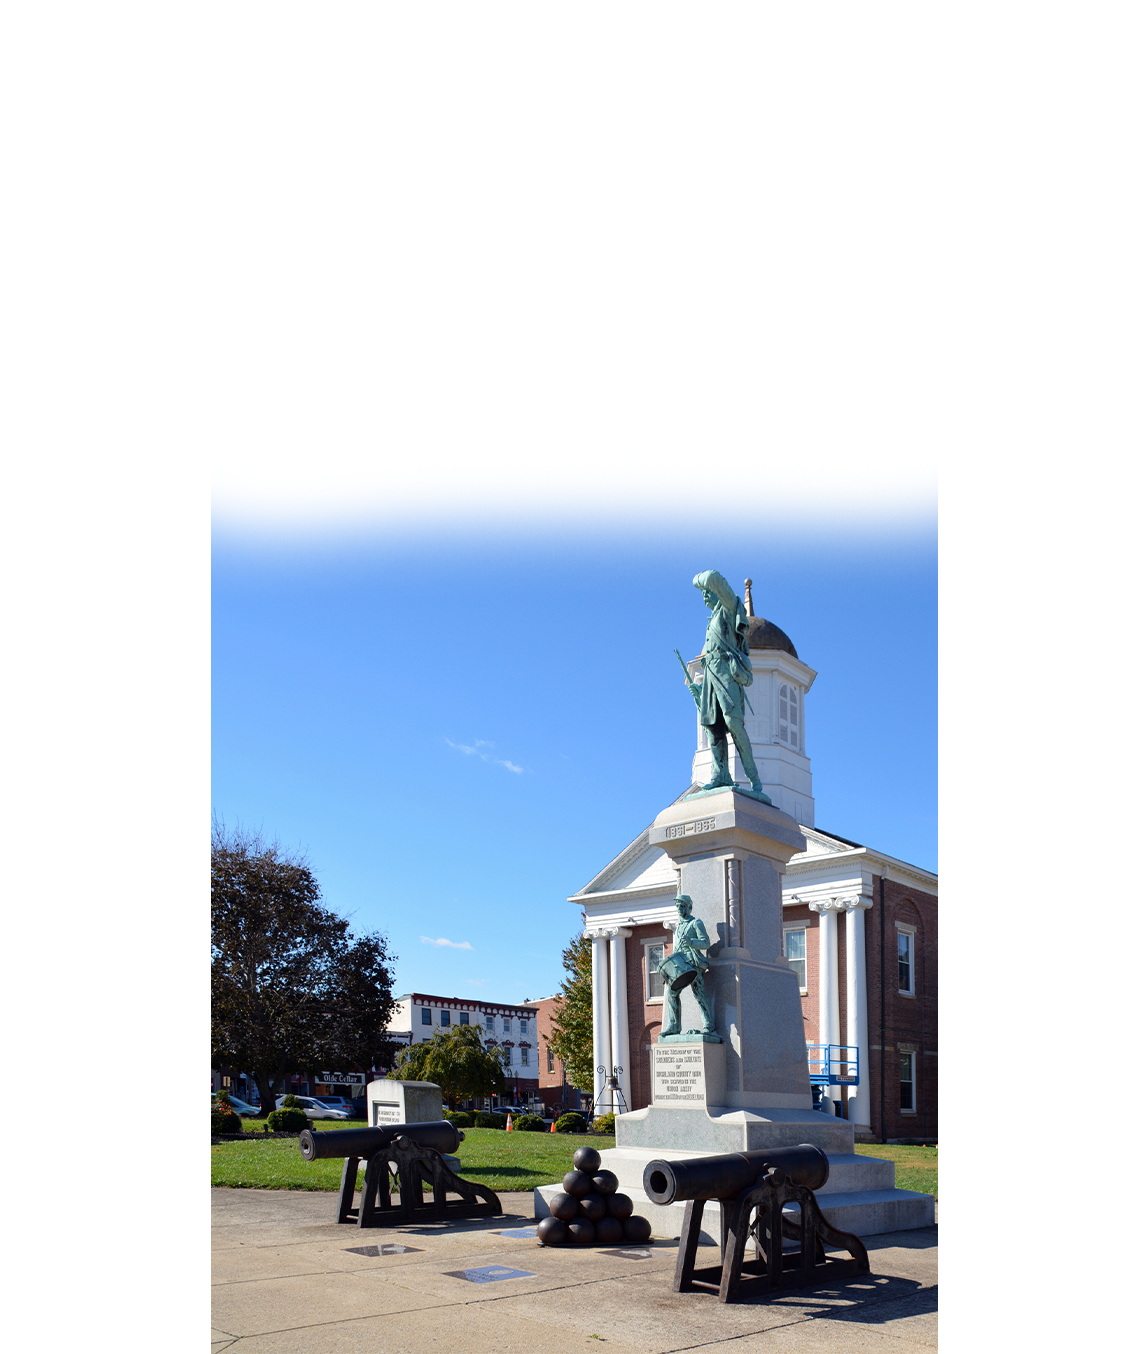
[400,1158]
[753,1190]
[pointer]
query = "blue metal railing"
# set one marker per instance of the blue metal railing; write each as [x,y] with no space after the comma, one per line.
[833,1064]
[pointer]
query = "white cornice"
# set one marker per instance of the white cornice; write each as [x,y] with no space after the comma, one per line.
[625,895]
[873,862]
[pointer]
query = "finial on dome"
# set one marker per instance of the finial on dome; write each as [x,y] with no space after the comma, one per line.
[748,597]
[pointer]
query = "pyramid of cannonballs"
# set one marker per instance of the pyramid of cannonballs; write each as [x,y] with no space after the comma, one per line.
[590,1212]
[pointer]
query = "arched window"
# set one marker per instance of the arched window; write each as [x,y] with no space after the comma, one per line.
[789,715]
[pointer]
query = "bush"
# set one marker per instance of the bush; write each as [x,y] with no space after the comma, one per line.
[571,1123]
[223,1117]
[529,1123]
[291,1102]
[605,1123]
[460,1118]
[287,1120]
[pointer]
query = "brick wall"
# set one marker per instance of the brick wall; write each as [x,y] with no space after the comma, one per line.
[644,1017]
[909,1023]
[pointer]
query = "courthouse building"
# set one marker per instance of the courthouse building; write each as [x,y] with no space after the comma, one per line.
[859,927]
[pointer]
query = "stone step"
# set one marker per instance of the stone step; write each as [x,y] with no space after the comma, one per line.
[859,1197]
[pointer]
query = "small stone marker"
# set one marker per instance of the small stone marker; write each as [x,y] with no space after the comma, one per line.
[489,1274]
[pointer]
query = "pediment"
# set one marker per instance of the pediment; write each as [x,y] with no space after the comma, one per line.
[819,844]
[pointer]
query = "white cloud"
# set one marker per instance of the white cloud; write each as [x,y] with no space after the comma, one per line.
[474,749]
[441,940]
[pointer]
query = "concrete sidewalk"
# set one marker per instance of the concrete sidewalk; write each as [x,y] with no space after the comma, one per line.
[287,1279]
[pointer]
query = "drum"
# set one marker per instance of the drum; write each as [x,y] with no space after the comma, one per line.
[677,971]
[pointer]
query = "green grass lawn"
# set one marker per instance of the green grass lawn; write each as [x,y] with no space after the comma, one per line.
[503,1161]
[490,1156]
[915,1167]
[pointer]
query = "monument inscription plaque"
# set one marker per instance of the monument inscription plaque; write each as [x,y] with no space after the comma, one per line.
[688,1074]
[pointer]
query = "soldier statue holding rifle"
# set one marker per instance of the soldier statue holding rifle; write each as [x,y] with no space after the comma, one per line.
[727,670]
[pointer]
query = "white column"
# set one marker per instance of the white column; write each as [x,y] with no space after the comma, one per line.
[602,1056]
[829,980]
[619,1011]
[855,955]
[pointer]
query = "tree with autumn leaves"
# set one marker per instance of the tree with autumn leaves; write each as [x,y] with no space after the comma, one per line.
[571,1036]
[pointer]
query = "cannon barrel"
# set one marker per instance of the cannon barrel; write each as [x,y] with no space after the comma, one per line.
[441,1135]
[727,1175]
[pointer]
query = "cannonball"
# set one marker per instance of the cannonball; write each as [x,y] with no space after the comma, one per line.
[582,1232]
[592,1206]
[587,1159]
[578,1184]
[637,1229]
[564,1206]
[553,1232]
[620,1206]
[605,1182]
[610,1232]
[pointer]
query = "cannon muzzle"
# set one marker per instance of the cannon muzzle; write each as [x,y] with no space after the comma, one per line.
[728,1175]
[440,1135]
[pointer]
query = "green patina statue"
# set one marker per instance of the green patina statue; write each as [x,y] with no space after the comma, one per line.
[685,967]
[727,671]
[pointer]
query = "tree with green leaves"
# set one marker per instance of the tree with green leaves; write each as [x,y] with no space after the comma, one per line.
[571,1036]
[458,1061]
[291,988]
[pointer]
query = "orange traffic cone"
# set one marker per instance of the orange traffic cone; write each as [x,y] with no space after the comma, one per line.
[553,1125]
[509,1123]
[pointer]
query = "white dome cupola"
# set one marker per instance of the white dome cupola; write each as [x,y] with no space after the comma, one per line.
[774,718]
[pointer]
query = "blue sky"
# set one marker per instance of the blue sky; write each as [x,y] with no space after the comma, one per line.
[461,731]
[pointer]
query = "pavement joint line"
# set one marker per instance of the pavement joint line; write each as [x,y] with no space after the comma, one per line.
[797,1320]
[485,1299]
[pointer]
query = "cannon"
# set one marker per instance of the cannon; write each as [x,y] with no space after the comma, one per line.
[399,1157]
[753,1190]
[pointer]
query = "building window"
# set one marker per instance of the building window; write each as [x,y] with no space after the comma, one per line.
[549,1059]
[796,953]
[907,1082]
[464,1018]
[905,942]
[654,980]
[525,1057]
[789,715]
[525,1027]
[445,1017]
[427,1016]
[489,1023]
[505,1027]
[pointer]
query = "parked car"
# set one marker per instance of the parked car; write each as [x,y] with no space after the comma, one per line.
[241,1107]
[314,1109]
[358,1105]
[336,1102]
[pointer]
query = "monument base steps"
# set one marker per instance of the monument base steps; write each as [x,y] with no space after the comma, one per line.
[860,1195]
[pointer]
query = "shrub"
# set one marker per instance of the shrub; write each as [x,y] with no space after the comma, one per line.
[460,1118]
[486,1120]
[225,1120]
[223,1117]
[529,1123]
[605,1123]
[291,1102]
[571,1123]
[287,1120]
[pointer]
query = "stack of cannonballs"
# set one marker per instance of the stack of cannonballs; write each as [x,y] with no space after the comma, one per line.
[590,1212]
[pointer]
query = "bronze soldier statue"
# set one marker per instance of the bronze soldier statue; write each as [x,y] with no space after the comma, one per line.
[727,671]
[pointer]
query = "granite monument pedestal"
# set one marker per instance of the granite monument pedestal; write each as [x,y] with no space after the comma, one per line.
[752,1089]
